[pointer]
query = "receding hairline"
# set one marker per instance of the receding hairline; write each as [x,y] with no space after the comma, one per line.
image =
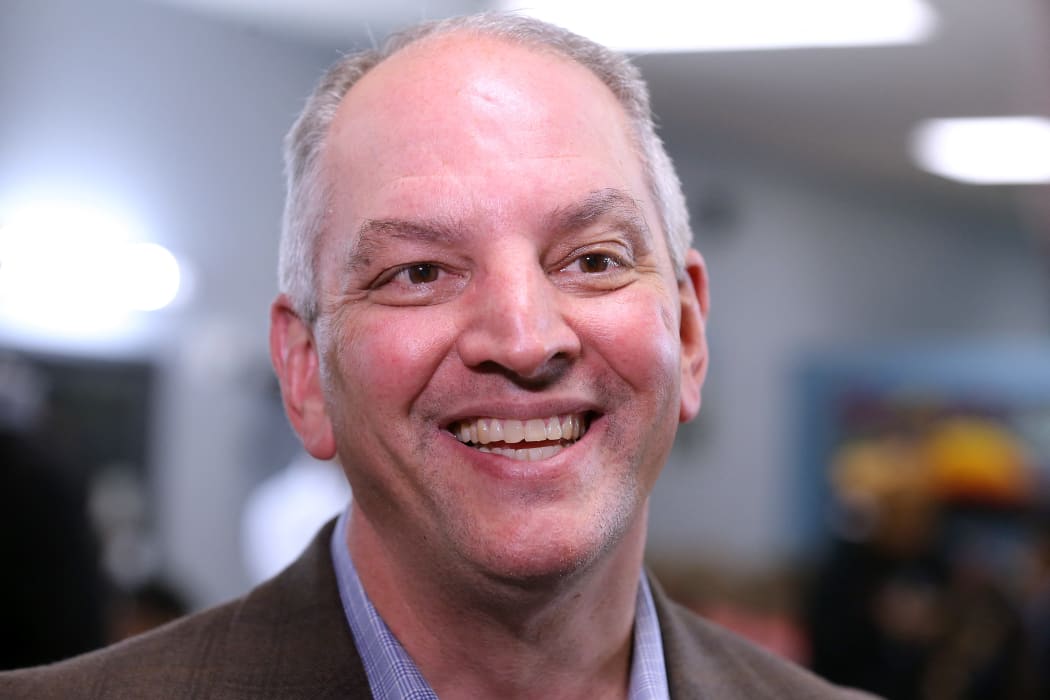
[431,42]
[435,41]
[480,37]
[306,209]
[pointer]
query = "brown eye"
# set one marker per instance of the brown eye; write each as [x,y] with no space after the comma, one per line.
[417,284]
[595,262]
[423,273]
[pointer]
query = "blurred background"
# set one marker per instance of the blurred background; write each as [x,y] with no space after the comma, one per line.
[868,181]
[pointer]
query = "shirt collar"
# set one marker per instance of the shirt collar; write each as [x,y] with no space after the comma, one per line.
[392,675]
[648,672]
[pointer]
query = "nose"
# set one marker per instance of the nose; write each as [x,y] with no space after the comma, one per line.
[517,323]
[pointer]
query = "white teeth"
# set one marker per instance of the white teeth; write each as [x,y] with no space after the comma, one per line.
[513,431]
[535,430]
[484,431]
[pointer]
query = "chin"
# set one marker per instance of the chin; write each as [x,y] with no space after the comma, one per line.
[547,551]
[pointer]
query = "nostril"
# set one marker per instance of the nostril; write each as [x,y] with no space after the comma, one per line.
[536,377]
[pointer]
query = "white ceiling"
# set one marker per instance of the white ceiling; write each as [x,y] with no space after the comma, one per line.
[843,110]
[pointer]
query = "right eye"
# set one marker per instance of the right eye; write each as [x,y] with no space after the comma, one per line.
[415,274]
[416,284]
[422,273]
[595,263]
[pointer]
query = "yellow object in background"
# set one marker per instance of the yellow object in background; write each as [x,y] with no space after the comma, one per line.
[977,460]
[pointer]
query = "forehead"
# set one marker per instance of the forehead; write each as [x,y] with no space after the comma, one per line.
[460,117]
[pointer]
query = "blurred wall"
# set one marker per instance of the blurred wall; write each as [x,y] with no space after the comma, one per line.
[805,261]
[182,118]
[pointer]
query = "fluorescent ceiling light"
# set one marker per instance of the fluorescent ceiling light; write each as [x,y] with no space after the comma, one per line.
[985,150]
[734,25]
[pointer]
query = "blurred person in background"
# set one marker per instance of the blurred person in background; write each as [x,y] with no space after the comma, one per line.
[490,313]
[44,529]
[875,611]
[1036,617]
[896,608]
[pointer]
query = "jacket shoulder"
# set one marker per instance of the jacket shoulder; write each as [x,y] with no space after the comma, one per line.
[288,638]
[705,660]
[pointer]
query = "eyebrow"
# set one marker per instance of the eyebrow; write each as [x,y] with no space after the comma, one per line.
[608,203]
[374,234]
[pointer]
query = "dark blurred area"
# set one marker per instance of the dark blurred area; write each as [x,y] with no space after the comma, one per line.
[77,570]
[934,581]
[937,474]
[149,605]
[52,598]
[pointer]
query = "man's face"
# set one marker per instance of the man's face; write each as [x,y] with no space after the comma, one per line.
[500,334]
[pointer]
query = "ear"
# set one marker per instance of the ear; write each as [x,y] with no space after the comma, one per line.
[693,292]
[293,352]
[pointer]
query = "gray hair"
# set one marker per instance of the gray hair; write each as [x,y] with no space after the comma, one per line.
[306,204]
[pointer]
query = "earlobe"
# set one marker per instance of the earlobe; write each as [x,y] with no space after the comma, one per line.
[693,292]
[294,354]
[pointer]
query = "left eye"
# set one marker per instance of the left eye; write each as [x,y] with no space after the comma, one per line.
[597,262]
[596,270]
[422,273]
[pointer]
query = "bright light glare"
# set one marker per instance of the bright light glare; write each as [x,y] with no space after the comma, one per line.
[986,150]
[77,269]
[734,25]
[151,275]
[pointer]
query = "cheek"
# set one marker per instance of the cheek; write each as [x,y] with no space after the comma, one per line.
[637,335]
[391,357]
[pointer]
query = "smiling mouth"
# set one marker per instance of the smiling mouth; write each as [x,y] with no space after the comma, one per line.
[540,438]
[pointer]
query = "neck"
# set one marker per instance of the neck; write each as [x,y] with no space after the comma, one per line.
[478,636]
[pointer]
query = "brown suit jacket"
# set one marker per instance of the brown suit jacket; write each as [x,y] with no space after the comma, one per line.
[289,639]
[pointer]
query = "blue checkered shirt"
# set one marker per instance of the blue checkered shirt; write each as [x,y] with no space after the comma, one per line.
[392,675]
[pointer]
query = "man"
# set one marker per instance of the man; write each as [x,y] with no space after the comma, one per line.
[490,313]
